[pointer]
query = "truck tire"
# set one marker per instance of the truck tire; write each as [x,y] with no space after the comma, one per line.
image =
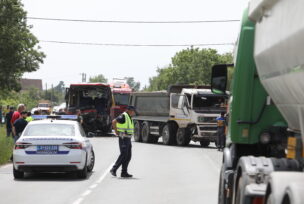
[145,133]
[205,143]
[183,137]
[137,132]
[168,134]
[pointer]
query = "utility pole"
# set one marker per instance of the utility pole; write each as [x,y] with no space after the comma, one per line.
[83,77]
[52,93]
[45,90]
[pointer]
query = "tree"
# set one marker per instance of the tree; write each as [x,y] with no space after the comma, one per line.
[99,78]
[60,87]
[133,84]
[189,66]
[19,52]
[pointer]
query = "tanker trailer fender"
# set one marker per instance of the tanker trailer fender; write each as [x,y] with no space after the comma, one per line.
[285,186]
[250,178]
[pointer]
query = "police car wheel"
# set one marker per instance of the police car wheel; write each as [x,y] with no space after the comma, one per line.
[18,174]
[91,166]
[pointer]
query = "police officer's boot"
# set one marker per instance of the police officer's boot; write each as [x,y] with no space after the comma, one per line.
[113,172]
[126,175]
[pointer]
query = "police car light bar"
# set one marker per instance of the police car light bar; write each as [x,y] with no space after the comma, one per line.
[56,117]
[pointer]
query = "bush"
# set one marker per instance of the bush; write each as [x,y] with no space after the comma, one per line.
[6,146]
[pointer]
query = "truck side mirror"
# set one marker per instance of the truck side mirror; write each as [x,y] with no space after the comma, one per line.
[219,79]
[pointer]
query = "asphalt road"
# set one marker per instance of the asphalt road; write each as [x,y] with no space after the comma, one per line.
[162,174]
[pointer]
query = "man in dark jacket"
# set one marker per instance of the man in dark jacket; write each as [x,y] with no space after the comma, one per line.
[8,118]
[19,125]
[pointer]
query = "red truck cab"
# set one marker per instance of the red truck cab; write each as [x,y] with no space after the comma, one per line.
[121,93]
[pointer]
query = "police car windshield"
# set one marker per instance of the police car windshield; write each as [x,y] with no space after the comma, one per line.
[50,130]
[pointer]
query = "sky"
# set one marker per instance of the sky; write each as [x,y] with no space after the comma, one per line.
[66,62]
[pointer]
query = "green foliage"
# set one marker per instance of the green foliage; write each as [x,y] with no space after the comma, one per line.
[19,52]
[189,66]
[60,87]
[29,98]
[55,94]
[98,79]
[133,84]
[6,146]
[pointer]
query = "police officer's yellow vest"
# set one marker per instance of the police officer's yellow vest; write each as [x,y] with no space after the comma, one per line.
[127,127]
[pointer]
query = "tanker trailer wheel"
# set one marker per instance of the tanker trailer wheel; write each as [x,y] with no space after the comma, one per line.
[183,137]
[168,134]
[137,132]
[145,133]
[223,184]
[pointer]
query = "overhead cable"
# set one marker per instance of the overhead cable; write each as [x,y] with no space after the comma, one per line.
[134,22]
[136,45]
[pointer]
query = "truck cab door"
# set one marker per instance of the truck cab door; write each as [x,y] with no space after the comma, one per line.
[179,106]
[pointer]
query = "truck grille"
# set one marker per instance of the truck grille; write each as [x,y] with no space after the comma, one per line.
[208,128]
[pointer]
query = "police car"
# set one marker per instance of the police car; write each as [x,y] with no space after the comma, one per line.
[53,145]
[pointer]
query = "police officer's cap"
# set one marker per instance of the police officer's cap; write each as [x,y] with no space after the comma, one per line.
[132,108]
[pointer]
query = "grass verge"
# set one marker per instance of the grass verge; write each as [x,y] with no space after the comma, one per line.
[6,146]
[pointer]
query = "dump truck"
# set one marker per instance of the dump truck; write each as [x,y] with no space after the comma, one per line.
[263,157]
[179,115]
[93,102]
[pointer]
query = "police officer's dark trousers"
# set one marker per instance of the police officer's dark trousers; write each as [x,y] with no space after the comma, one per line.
[221,137]
[124,158]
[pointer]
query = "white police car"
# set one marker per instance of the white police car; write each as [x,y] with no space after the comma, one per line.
[53,145]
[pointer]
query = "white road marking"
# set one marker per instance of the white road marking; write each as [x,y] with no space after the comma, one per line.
[78,201]
[88,192]
[93,186]
[105,174]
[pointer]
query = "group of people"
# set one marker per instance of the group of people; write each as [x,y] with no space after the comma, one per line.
[16,121]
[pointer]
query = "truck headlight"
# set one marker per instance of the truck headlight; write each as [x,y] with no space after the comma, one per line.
[265,138]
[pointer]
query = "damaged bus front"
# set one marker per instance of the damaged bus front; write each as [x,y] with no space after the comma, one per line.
[92,101]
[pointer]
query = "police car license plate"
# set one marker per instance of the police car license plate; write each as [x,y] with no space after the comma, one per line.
[47,149]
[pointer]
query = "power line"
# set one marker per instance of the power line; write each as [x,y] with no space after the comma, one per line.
[134,22]
[136,45]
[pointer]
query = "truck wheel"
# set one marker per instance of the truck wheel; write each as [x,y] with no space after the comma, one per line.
[205,143]
[168,134]
[137,132]
[221,191]
[18,174]
[223,198]
[145,133]
[183,137]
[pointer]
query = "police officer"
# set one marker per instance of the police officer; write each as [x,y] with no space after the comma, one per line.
[221,131]
[124,128]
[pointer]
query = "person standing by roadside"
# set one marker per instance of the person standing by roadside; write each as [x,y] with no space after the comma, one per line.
[19,125]
[29,117]
[124,128]
[1,115]
[221,131]
[8,118]
[17,114]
